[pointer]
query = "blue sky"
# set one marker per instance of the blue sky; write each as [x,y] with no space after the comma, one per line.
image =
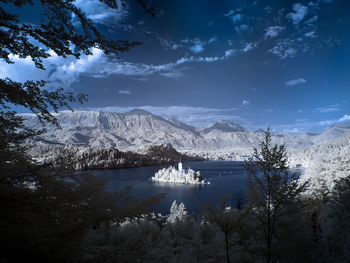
[280,63]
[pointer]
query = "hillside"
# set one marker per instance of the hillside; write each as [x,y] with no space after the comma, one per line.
[139,128]
[85,157]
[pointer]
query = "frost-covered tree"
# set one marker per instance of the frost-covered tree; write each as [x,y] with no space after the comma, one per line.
[177,212]
[325,163]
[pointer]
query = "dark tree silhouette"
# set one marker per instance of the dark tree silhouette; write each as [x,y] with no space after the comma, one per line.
[231,222]
[338,237]
[57,32]
[45,211]
[274,195]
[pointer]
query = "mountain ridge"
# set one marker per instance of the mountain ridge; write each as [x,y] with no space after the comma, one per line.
[224,126]
[136,128]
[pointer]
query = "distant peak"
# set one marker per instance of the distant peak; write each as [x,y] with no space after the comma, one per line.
[224,121]
[138,112]
[224,126]
[260,130]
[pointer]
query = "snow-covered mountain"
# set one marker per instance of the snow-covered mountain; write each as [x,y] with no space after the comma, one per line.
[326,162]
[223,126]
[125,131]
[139,128]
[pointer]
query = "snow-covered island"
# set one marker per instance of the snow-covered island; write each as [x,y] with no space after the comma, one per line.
[180,176]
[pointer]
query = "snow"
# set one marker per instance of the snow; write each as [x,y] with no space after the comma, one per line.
[135,129]
[325,163]
[177,212]
[171,175]
[325,156]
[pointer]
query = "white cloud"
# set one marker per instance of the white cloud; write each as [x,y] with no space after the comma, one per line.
[172,75]
[242,28]
[197,48]
[229,52]
[332,108]
[235,15]
[312,20]
[59,71]
[245,102]
[124,91]
[248,47]
[294,82]
[273,31]
[284,49]
[300,12]
[101,13]
[345,118]
[196,45]
[310,34]
[212,40]
[302,126]
[64,72]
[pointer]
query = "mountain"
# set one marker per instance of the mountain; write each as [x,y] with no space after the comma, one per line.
[223,126]
[122,130]
[332,133]
[139,128]
[184,126]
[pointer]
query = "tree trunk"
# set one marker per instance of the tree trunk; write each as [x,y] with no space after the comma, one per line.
[227,247]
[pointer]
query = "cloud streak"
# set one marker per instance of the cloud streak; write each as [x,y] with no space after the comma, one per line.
[304,126]
[295,82]
[124,91]
[64,72]
[332,108]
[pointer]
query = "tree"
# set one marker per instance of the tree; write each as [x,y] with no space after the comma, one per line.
[231,222]
[57,33]
[275,197]
[177,212]
[45,211]
[337,224]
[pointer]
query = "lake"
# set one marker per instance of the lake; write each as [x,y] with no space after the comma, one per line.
[224,176]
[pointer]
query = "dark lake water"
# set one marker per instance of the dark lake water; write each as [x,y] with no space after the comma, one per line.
[224,176]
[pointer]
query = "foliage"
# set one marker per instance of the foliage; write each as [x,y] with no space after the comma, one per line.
[177,212]
[232,223]
[275,197]
[87,157]
[58,33]
[46,211]
[337,234]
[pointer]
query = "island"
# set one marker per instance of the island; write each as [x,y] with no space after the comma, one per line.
[180,176]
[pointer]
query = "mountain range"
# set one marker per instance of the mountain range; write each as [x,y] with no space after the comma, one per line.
[139,128]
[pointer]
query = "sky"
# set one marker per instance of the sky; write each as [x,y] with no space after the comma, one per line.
[283,64]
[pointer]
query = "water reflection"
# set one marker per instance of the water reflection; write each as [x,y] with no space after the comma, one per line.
[225,177]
